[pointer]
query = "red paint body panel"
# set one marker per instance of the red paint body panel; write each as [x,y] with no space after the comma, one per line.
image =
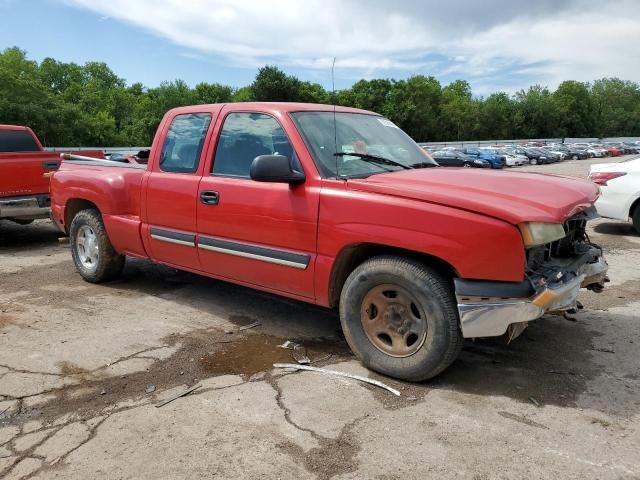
[510,196]
[466,218]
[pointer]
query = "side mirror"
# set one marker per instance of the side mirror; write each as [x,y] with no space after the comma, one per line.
[274,168]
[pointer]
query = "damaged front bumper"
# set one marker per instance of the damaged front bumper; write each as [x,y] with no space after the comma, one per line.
[489,309]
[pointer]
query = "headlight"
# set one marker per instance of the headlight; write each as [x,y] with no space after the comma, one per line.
[537,233]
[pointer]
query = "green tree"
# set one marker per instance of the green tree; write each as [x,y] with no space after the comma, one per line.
[498,117]
[212,93]
[273,85]
[460,113]
[242,94]
[313,93]
[24,98]
[367,94]
[616,107]
[414,105]
[90,105]
[538,116]
[575,112]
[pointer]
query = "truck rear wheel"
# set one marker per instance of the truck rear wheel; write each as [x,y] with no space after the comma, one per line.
[92,252]
[400,319]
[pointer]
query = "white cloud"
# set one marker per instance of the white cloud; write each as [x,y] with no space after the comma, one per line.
[543,40]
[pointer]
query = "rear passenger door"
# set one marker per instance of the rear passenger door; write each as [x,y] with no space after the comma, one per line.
[260,234]
[172,190]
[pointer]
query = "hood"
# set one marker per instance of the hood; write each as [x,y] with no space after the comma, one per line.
[512,197]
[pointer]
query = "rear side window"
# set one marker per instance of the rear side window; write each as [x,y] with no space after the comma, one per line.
[17,141]
[245,136]
[183,144]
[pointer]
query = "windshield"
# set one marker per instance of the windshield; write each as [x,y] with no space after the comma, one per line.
[368,137]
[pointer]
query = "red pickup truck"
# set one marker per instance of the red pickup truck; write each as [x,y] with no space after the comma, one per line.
[24,185]
[339,207]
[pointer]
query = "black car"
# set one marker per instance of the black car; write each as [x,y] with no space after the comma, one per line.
[535,156]
[552,156]
[578,153]
[629,147]
[454,158]
[572,152]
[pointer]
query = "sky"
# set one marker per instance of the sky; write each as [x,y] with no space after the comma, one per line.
[496,45]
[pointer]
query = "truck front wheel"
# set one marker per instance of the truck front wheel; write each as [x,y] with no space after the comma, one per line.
[92,252]
[399,318]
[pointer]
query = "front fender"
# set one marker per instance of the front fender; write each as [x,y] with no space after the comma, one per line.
[475,246]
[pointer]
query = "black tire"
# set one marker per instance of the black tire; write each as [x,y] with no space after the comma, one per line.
[533,161]
[575,157]
[467,165]
[108,263]
[442,341]
[636,218]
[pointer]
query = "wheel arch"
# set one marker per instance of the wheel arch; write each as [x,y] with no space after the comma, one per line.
[353,255]
[73,206]
[634,206]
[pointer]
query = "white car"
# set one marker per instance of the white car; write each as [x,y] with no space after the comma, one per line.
[513,160]
[620,187]
[596,152]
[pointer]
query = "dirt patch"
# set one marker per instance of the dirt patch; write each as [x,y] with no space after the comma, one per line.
[201,354]
[69,369]
[6,311]
[551,363]
[258,352]
[6,320]
[616,296]
[333,457]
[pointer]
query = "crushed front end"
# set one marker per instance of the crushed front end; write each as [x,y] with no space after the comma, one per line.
[555,273]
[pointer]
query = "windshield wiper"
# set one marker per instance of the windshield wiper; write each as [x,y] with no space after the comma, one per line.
[424,165]
[373,159]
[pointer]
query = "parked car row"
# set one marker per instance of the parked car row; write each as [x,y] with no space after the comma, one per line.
[530,153]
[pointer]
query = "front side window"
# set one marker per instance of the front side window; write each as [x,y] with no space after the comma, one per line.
[244,137]
[183,143]
[345,144]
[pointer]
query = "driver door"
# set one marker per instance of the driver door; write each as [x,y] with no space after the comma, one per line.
[256,233]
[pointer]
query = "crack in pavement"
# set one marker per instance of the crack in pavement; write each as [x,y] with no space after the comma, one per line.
[333,456]
[106,412]
[92,432]
[20,370]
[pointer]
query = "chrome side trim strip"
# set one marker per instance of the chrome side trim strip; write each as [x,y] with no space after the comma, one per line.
[172,240]
[254,256]
[169,236]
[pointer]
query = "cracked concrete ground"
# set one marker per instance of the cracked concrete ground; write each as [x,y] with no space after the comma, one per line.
[82,368]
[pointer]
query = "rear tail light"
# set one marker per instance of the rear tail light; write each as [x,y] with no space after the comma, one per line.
[602,178]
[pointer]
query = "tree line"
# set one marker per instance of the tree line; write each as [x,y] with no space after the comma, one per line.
[89,105]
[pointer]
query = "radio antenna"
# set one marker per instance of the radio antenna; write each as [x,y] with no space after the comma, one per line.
[335,124]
